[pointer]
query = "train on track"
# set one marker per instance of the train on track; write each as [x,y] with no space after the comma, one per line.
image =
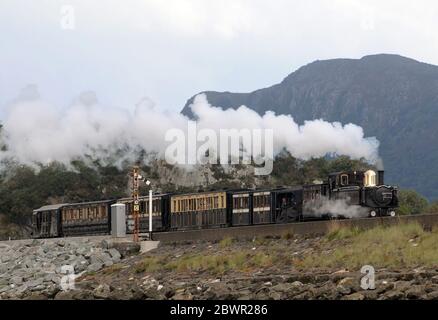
[360,192]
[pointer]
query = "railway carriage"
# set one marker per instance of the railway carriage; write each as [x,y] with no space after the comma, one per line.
[46,221]
[86,218]
[240,207]
[261,209]
[198,210]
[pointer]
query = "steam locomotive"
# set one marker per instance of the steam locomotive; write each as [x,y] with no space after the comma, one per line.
[360,192]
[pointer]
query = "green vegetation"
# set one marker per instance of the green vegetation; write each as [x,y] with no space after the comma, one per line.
[150,264]
[218,263]
[403,245]
[340,233]
[411,202]
[23,188]
[113,269]
[226,242]
[432,208]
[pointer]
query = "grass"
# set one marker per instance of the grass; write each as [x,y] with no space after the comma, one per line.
[245,261]
[226,242]
[113,269]
[397,246]
[337,232]
[403,245]
[150,264]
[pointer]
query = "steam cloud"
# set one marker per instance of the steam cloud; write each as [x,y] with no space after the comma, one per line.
[37,132]
[335,207]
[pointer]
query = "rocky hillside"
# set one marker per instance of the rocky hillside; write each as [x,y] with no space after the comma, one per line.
[392,97]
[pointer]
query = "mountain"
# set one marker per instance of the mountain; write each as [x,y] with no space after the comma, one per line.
[392,97]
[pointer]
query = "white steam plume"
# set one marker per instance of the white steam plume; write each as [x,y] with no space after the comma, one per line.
[334,207]
[35,131]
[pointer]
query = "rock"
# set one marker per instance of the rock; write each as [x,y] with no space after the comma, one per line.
[402,285]
[22,289]
[107,244]
[370,294]
[36,296]
[274,295]
[393,295]
[74,295]
[94,267]
[51,291]
[52,277]
[5,258]
[127,248]
[102,258]
[348,285]
[103,291]
[182,295]
[283,287]
[16,280]
[81,251]
[354,296]
[115,255]
[4,289]
[60,243]
[64,295]
[35,283]
[432,295]
[296,284]
[4,282]
[415,292]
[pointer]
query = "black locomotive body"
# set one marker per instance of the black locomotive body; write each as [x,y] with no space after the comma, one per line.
[365,189]
[361,192]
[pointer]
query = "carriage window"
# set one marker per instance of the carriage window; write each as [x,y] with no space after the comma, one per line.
[344,179]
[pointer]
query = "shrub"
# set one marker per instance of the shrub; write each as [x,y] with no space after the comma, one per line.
[411,202]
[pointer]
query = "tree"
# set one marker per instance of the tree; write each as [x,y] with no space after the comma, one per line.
[433,207]
[411,202]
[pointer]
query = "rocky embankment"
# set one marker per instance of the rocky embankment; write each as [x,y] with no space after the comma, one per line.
[180,273]
[42,268]
[292,267]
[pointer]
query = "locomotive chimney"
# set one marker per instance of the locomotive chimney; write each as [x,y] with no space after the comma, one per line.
[380,178]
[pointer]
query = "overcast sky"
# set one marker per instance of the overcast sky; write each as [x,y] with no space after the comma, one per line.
[169,50]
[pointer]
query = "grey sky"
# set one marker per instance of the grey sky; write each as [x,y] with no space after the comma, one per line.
[169,50]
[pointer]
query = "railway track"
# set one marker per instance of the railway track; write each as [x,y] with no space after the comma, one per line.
[302,228]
